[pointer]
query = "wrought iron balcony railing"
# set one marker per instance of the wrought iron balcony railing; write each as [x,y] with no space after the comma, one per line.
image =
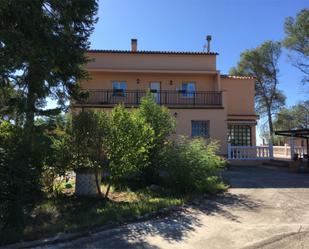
[164,97]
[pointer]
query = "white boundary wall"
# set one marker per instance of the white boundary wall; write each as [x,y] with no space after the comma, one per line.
[286,153]
[250,152]
[264,152]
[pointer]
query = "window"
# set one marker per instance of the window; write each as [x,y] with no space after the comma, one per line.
[188,89]
[240,135]
[119,88]
[200,128]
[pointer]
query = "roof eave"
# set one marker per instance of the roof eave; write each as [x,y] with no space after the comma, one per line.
[149,52]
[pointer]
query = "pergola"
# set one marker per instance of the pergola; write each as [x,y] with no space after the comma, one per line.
[298,133]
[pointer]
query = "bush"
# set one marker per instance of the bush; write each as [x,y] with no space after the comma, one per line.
[19,178]
[190,165]
[163,124]
[127,145]
[88,130]
[135,144]
[84,140]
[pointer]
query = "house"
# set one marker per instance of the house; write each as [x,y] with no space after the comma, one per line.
[204,102]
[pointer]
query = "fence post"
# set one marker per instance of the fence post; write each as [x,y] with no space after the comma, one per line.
[292,147]
[229,151]
[285,150]
[271,150]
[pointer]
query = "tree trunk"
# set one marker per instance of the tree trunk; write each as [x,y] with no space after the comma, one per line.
[97,182]
[270,124]
[30,109]
[107,191]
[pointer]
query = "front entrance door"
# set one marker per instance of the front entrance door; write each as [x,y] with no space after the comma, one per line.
[155,88]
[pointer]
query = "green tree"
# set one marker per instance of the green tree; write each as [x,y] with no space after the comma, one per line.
[163,124]
[262,63]
[127,144]
[297,41]
[296,117]
[10,102]
[19,183]
[42,49]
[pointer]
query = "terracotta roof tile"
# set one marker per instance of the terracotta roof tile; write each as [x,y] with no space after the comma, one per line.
[237,77]
[149,52]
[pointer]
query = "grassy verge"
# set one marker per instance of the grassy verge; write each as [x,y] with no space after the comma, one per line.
[69,213]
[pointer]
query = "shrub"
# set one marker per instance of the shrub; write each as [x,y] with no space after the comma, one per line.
[162,124]
[19,178]
[127,145]
[189,165]
[85,136]
[87,132]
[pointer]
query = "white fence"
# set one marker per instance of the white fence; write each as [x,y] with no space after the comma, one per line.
[285,151]
[264,152]
[249,152]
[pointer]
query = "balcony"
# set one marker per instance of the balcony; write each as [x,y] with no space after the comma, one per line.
[176,99]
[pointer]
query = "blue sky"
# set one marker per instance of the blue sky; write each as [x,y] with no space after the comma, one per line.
[181,25]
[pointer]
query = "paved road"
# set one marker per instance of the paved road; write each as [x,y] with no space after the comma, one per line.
[263,209]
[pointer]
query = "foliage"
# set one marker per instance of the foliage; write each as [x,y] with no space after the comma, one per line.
[42,48]
[296,117]
[127,144]
[262,63]
[71,214]
[56,150]
[82,145]
[297,41]
[42,45]
[191,165]
[162,124]
[158,117]
[19,184]
[9,102]
[123,138]
[87,133]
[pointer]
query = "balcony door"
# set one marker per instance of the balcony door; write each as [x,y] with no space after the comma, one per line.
[155,88]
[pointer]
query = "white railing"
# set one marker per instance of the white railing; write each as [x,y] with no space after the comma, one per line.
[300,151]
[249,152]
[286,152]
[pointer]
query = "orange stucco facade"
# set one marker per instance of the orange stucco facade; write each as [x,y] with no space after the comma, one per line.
[219,100]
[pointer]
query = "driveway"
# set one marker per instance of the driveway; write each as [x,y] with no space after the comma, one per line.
[264,208]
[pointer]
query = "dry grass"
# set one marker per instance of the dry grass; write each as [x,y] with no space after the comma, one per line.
[67,213]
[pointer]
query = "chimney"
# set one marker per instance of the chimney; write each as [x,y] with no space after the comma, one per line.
[208,38]
[133,45]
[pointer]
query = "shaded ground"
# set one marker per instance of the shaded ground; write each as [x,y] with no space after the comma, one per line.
[263,209]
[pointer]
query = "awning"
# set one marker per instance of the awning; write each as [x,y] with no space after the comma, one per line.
[241,121]
[301,133]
